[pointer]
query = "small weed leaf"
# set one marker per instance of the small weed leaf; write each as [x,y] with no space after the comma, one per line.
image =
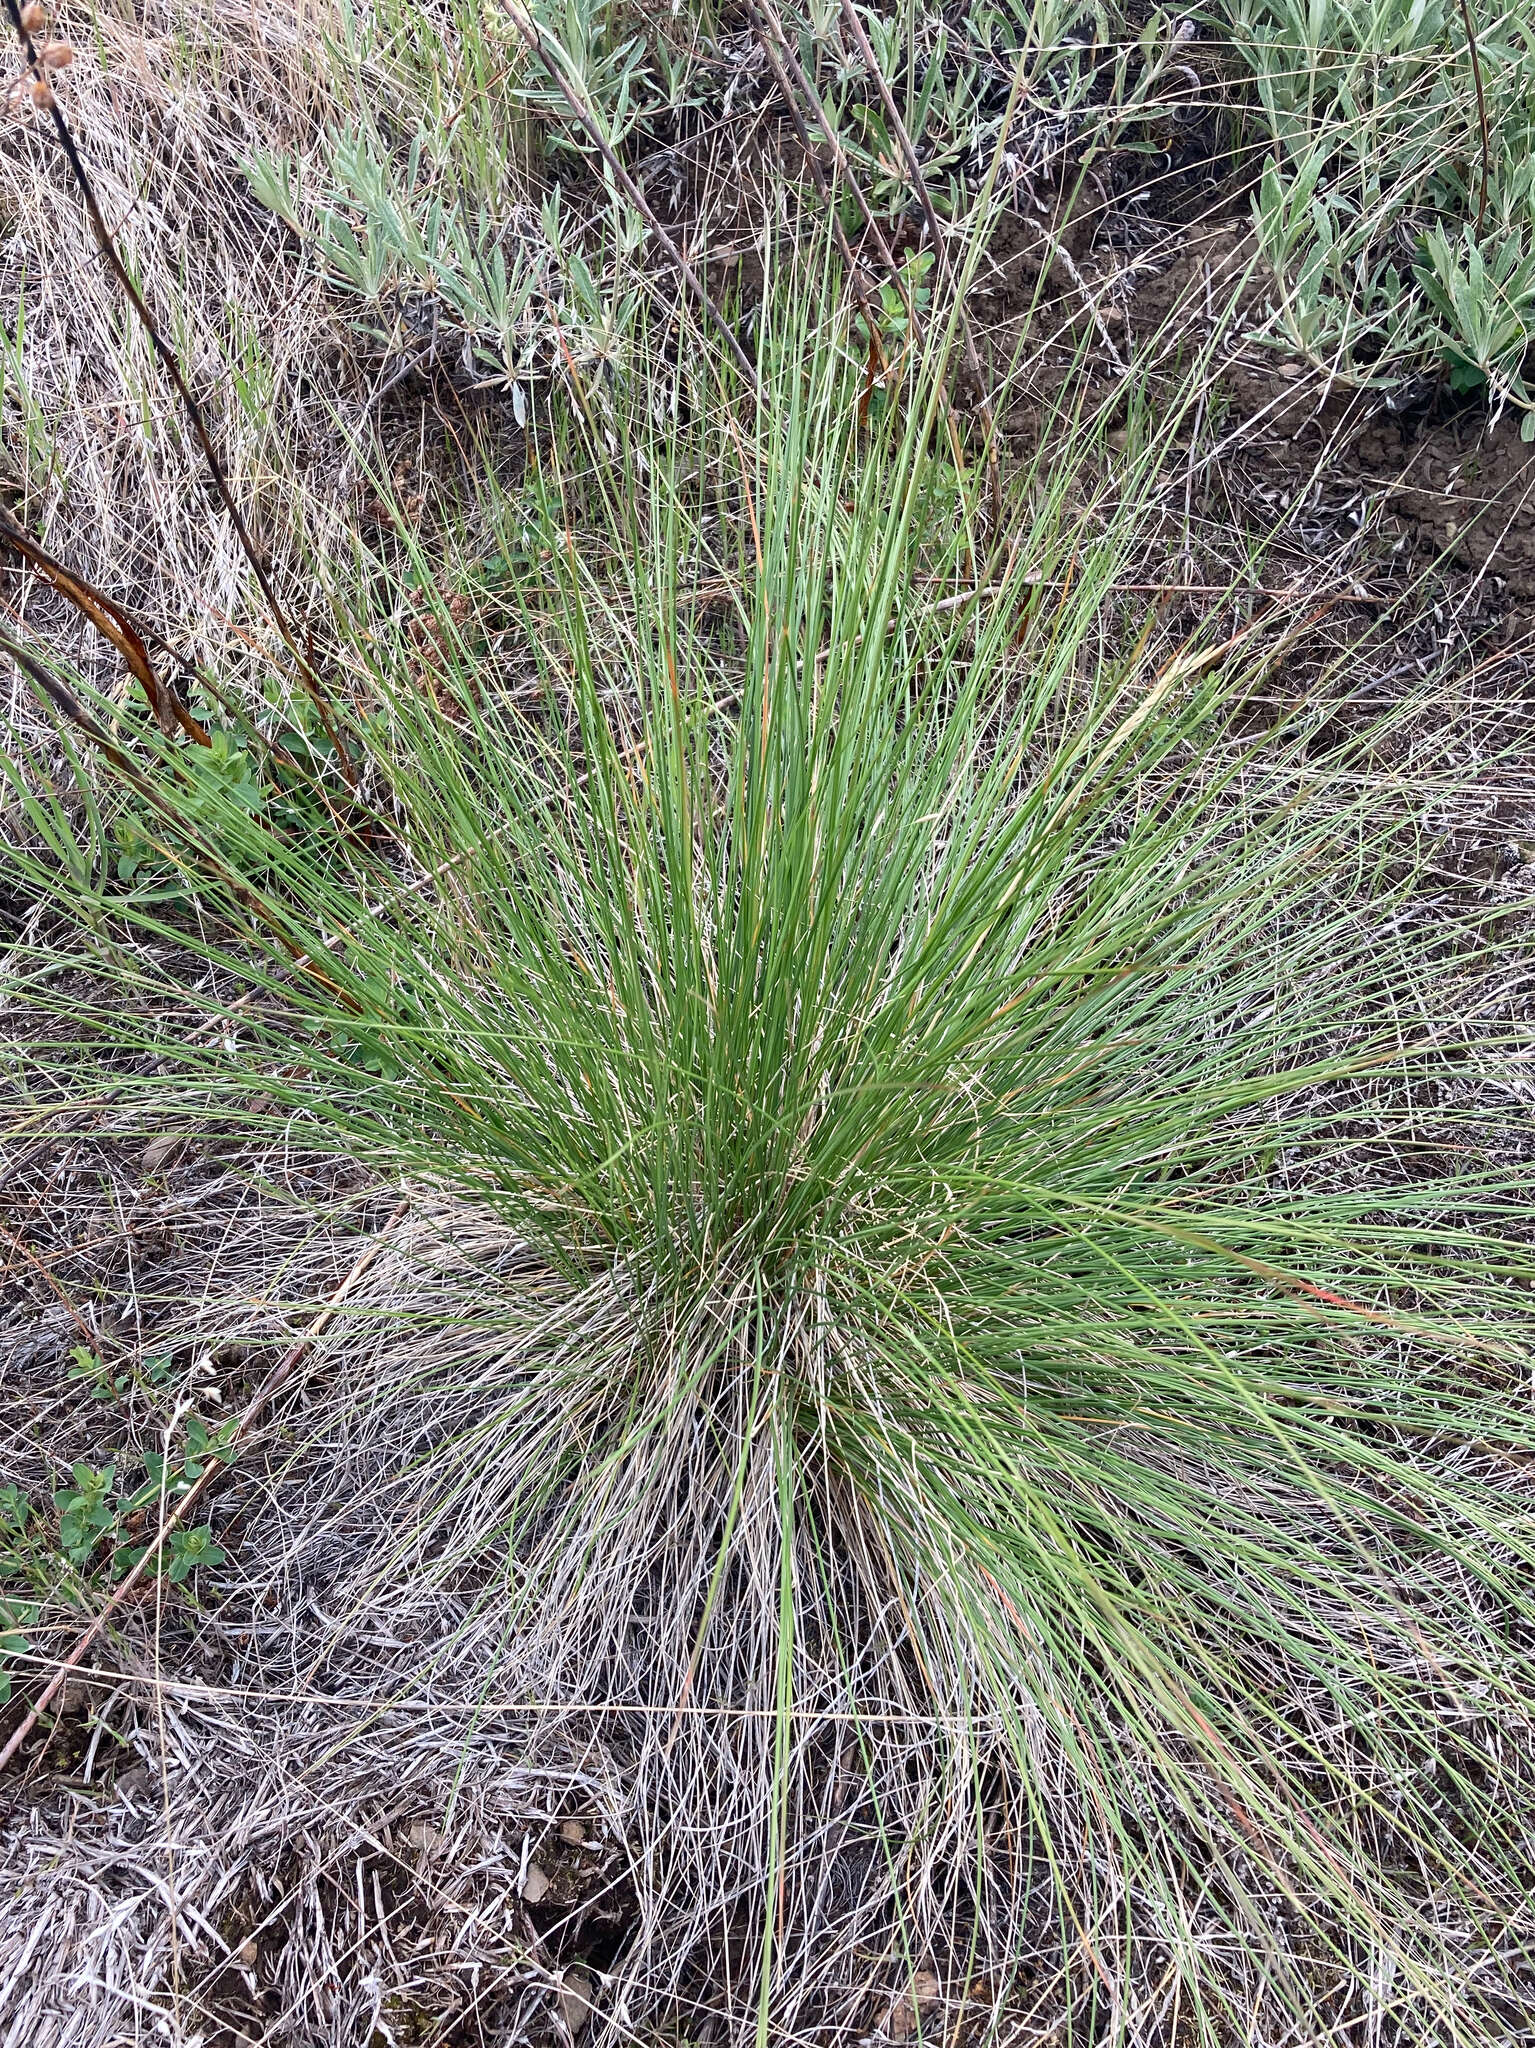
[85,1512]
[190,1548]
[1486,308]
[97,1519]
[104,1384]
[16,1617]
[367,1054]
[234,779]
[153,1374]
[203,1447]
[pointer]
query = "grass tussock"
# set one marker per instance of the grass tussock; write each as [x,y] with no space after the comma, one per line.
[963,1306]
[948,1362]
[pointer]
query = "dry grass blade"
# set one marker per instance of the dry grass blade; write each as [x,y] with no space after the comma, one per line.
[69,706]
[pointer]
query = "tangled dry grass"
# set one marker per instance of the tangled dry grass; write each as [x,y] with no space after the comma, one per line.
[165,109]
[351,1800]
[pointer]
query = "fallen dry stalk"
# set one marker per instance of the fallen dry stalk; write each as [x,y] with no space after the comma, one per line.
[770,32]
[774,33]
[255,1408]
[791,77]
[166,355]
[114,625]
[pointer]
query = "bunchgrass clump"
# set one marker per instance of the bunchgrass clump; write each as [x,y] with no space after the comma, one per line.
[978,1334]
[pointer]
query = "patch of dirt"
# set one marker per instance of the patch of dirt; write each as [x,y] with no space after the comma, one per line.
[1465,490]
[1453,488]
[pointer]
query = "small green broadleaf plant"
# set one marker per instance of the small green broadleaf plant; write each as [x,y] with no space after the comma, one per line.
[168,1479]
[92,1518]
[154,1372]
[238,777]
[221,775]
[87,1511]
[16,1616]
[93,1511]
[901,305]
[190,1548]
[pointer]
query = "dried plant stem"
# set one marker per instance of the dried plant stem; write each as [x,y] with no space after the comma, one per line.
[254,1409]
[1067,261]
[1481,110]
[112,622]
[51,1279]
[770,35]
[170,363]
[791,77]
